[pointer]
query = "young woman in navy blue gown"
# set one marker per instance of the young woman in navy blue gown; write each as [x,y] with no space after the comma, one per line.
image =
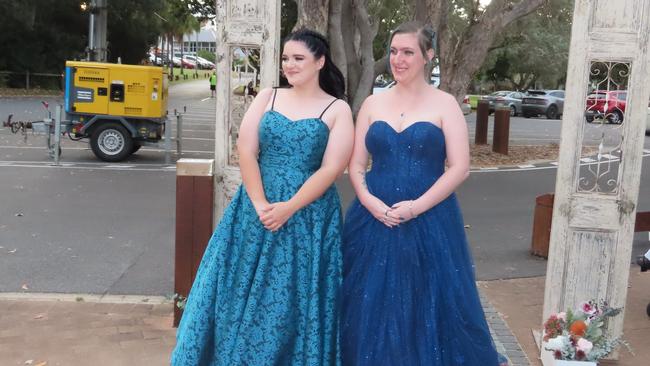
[409,297]
[267,289]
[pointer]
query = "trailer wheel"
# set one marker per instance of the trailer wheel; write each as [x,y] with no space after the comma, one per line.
[110,141]
[136,147]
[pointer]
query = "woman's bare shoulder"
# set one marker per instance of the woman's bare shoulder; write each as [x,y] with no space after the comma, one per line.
[442,95]
[265,93]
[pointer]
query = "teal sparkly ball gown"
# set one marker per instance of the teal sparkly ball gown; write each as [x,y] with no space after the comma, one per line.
[263,298]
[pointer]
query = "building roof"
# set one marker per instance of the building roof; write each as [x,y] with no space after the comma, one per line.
[206,34]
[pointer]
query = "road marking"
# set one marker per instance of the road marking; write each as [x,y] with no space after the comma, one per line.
[119,166]
[50,165]
[204,99]
[64,148]
[198,138]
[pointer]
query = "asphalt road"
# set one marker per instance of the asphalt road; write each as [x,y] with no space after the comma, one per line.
[94,227]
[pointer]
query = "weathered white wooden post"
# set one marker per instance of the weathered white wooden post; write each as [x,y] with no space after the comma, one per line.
[248,53]
[595,205]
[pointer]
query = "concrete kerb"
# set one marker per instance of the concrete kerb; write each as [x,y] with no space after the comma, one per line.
[89,298]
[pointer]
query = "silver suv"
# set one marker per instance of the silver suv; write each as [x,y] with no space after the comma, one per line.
[547,102]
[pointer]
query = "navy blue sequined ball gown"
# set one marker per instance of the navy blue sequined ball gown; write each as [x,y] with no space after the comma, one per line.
[263,298]
[409,297]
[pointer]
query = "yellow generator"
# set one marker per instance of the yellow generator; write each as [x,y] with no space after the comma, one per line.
[118,107]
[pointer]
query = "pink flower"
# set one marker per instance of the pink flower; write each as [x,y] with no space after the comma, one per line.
[584,345]
[588,308]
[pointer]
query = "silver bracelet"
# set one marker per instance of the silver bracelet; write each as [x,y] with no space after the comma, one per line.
[411,210]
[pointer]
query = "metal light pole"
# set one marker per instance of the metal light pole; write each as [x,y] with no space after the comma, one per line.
[96,30]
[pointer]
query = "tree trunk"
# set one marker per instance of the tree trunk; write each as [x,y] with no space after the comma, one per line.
[313,14]
[367,33]
[337,48]
[352,59]
[462,56]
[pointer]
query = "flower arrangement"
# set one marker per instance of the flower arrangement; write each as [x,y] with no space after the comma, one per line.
[578,335]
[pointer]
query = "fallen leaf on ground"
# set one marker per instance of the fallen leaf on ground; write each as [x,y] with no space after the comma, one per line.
[42,363]
[29,362]
[12,251]
[39,316]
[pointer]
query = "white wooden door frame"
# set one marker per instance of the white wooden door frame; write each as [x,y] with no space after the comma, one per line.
[593,229]
[246,24]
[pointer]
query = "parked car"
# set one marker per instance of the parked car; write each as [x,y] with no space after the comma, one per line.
[505,99]
[608,105]
[382,85]
[547,102]
[155,59]
[200,62]
[465,106]
[188,64]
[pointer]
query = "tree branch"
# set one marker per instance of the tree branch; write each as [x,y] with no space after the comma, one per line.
[367,31]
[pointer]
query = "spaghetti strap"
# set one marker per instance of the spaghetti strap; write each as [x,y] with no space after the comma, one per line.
[326,108]
[275,91]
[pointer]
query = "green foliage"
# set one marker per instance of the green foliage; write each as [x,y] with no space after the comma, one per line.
[40,35]
[132,29]
[535,48]
[288,18]
[210,56]
[389,14]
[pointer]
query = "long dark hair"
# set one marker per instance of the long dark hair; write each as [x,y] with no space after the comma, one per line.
[330,78]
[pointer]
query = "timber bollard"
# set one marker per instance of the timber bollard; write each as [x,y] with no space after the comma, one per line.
[194,218]
[543,218]
[501,133]
[482,112]
[542,225]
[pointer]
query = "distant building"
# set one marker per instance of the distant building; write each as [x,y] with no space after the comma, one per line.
[205,39]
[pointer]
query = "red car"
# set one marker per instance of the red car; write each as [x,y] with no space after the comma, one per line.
[609,105]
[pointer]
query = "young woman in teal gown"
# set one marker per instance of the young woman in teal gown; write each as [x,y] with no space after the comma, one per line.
[409,296]
[267,289]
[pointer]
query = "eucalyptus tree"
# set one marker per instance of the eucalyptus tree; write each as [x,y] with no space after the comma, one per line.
[358,31]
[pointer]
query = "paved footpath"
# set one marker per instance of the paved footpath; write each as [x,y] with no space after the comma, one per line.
[59,330]
[70,330]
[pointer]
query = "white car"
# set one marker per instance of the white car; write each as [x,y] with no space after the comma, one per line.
[382,86]
[200,61]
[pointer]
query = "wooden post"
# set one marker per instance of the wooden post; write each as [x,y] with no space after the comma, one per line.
[501,133]
[482,113]
[542,225]
[194,210]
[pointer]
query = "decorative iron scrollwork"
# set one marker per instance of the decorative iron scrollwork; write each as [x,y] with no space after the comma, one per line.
[604,117]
